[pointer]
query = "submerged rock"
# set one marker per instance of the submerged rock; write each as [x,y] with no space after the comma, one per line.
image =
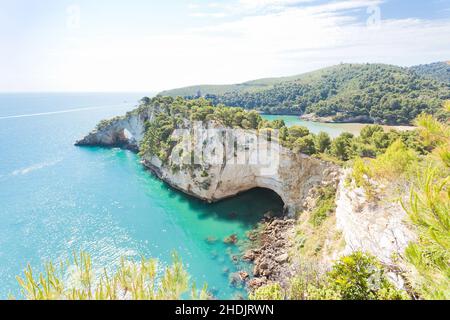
[214,254]
[243,275]
[232,240]
[211,240]
[236,280]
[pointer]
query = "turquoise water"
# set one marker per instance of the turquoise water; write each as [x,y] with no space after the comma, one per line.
[56,198]
[333,129]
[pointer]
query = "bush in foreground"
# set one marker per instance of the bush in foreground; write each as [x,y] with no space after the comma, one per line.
[76,280]
[358,276]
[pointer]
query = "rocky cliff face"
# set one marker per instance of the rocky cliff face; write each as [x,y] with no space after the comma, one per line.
[211,162]
[379,228]
[127,131]
[242,167]
[226,162]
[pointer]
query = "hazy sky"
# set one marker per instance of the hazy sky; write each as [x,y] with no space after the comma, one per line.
[146,45]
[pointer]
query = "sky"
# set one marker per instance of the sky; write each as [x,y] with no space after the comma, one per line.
[149,45]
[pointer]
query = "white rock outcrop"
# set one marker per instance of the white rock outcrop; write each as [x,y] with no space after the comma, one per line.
[127,131]
[378,228]
[259,163]
[228,161]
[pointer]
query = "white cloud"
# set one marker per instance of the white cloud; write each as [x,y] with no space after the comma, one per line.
[208,14]
[251,4]
[292,40]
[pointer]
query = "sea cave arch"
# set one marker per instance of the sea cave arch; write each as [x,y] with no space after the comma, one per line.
[291,175]
[249,207]
[268,198]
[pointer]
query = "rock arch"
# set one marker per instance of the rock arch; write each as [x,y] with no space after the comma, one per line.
[291,175]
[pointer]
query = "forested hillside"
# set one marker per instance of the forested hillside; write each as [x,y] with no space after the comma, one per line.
[377,93]
[439,71]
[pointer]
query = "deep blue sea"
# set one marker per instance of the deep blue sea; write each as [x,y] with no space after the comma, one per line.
[56,198]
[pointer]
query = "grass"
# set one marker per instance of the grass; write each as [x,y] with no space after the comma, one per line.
[75,280]
[326,205]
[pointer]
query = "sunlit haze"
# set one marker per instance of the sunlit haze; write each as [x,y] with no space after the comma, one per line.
[141,45]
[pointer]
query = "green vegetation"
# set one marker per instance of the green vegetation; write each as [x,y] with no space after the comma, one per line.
[438,71]
[271,291]
[348,92]
[106,123]
[341,146]
[326,204]
[425,167]
[395,165]
[76,280]
[382,162]
[386,165]
[374,142]
[172,114]
[157,140]
[429,210]
[323,142]
[358,276]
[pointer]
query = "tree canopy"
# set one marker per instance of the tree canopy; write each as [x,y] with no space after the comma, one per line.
[372,93]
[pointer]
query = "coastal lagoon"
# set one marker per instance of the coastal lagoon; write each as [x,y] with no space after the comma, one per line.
[333,129]
[57,198]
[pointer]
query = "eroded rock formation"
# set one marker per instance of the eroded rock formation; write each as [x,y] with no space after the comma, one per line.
[379,228]
[212,162]
[227,162]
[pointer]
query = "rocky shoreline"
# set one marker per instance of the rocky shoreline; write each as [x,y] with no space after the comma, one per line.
[298,179]
[269,253]
[334,119]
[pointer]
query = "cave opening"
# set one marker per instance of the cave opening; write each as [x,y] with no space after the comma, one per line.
[249,207]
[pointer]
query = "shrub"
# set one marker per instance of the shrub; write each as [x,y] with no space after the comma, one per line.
[360,276]
[271,291]
[368,132]
[429,210]
[136,281]
[340,148]
[396,161]
[325,205]
[305,145]
[323,142]
[298,132]
[361,175]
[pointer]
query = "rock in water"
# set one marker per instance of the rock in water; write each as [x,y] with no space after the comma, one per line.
[232,240]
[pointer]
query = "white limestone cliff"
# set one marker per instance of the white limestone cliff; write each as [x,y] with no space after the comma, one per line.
[379,228]
[291,175]
[376,228]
